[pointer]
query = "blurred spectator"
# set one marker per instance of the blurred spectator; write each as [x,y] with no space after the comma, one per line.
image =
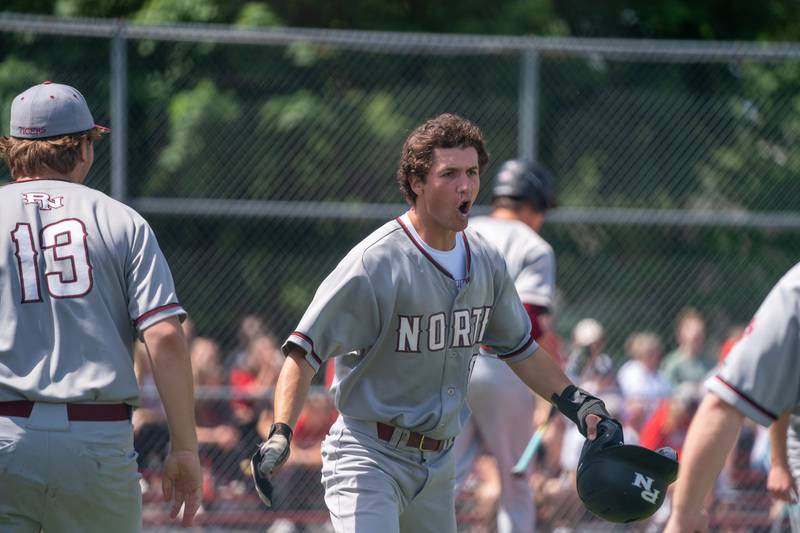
[206,365]
[216,434]
[688,362]
[258,373]
[251,327]
[587,365]
[641,383]
[668,424]
[259,369]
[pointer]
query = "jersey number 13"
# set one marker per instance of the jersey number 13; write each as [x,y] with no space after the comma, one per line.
[67,271]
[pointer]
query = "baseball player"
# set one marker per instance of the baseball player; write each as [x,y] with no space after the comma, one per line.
[521,195]
[80,276]
[759,379]
[404,313]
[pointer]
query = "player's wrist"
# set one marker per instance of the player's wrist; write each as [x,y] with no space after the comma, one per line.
[577,404]
[777,463]
[183,445]
[280,428]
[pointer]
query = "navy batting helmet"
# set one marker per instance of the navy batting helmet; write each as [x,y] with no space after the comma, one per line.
[525,180]
[622,483]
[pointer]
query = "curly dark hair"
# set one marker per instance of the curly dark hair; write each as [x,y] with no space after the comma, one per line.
[445,131]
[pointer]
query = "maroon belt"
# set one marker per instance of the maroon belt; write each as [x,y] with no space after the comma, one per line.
[77,412]
[414,440]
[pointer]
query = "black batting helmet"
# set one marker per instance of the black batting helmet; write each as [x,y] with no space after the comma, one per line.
[622,483]
[525,180]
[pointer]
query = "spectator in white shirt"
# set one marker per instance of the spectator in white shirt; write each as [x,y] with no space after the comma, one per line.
[641,383]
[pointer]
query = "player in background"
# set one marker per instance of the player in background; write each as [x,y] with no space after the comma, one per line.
[81,276]
[759,379]
[521,195]
[404,314]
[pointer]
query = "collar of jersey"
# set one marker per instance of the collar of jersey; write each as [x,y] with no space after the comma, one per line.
[431,259]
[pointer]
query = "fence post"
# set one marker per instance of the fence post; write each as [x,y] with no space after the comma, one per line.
[119,112]
[528,138]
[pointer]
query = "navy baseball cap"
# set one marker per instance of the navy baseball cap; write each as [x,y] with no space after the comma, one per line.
[49,110]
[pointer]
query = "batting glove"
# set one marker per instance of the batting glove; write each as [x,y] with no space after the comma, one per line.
[576,404]
[269,456]
[275,450]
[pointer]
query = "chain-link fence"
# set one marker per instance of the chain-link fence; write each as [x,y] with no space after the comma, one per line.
[261,156]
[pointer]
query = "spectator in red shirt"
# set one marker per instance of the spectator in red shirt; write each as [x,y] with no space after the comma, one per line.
[669,422]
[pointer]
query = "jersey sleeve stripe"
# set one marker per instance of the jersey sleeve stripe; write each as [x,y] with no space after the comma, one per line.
[305,338]
[155,311]
[517,351]
[305,343]
[748,399]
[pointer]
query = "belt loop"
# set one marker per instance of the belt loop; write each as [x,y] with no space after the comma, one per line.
[48,416]
[421,444]
[398,437]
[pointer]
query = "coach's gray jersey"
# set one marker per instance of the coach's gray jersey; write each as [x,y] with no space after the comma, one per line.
[79,273]
[761,375]
[406,335]
[530,259]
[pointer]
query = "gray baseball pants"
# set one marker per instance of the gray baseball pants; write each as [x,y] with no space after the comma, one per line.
[376,486]
[58,475]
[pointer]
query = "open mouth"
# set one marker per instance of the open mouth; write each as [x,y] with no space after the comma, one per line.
[463,207]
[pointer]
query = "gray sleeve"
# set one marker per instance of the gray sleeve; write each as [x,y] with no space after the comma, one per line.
[536,281]
[343,316]
[508,331]
[151,290]
[761,375]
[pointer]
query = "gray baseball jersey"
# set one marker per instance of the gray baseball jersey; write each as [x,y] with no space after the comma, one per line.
[761,375]
[406,335]
[79,274]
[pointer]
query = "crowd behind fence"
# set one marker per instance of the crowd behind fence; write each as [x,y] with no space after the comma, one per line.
[260,156]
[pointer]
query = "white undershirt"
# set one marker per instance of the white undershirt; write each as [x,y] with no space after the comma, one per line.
[454,261]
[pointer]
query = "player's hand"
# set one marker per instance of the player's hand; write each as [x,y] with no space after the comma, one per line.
[181,484]
[780,483]
[591,426]
[274,453]
[679,523]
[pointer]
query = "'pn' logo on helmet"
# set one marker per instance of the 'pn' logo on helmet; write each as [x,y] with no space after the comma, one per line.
[649,494]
